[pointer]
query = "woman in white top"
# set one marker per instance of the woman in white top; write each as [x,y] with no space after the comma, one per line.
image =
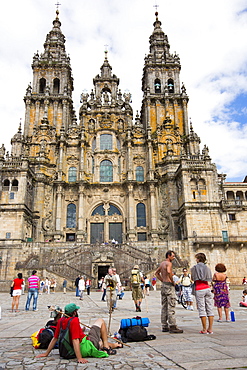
[81,287]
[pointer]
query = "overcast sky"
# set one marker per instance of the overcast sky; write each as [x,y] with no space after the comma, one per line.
[209,36]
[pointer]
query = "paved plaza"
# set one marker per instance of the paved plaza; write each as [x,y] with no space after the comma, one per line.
[225,349]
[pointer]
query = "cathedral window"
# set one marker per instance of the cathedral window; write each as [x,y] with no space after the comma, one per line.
[14,186]
[225,236]
[157,86]
[113,210]
[72,174]
[56,86]
[141,214]
[99,211]
[8,235]
[141,237]
[92,165]
[170,84]
[6,185]
[11,195]
[42,85]
[106,142]
[139,173]
[71,216]
[119,165]
[106,171]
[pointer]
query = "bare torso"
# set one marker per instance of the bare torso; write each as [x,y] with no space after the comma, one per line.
[164,272]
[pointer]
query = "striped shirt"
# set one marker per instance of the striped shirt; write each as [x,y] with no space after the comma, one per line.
[33,281]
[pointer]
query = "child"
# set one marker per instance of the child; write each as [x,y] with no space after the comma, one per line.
[244,301]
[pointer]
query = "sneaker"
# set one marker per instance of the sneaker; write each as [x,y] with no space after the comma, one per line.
[188,308]
[175,330]
[35,309]
[191,308]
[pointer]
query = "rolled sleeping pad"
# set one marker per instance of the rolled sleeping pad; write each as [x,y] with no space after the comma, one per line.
[126,323]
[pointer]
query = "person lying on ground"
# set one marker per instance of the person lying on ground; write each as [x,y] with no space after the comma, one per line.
[95,344]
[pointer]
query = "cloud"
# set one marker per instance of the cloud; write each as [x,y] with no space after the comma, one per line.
[208,36]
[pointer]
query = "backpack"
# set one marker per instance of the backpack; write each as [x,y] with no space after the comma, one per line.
[135,278]
[64,346]
[44,337]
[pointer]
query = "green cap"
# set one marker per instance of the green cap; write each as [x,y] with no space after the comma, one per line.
[71,307]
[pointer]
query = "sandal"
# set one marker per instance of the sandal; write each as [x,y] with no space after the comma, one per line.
[210,332]
[203,332]
[109,351]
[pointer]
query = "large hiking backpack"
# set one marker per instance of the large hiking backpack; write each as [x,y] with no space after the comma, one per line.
[64,346]
[135,277]
[45,336]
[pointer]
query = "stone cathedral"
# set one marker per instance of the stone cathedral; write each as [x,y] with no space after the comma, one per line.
[81,191]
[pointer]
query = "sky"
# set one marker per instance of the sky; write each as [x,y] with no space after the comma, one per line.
[209,36]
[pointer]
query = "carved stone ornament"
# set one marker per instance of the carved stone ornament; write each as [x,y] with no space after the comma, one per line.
[72,160]
[105,121]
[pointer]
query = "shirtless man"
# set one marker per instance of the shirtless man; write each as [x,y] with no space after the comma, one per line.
[168,298]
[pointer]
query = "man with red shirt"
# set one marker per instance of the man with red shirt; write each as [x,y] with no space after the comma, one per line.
[33,291]
[168,299]
[99,346]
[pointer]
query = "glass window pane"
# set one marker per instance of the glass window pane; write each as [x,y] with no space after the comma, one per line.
[106,171]
[99,211]
[72,174]
[106,142]
[113,210]
[71,216]
[141,214]
[139,173]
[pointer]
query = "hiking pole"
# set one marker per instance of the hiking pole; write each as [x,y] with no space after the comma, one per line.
[110,312]
[51,308]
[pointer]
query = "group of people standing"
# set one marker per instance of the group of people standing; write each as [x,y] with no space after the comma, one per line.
[209,292]
[81,284]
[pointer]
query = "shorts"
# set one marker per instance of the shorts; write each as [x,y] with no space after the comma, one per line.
[16,292]
[136,293]
[94,336]
[205,302]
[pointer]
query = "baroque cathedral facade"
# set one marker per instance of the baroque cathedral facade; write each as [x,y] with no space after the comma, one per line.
[71,186]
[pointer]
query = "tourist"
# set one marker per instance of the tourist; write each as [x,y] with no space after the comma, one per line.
[88,285]
[221,292]
[95,344]
[135,284]
[17,289]
[77,293]
[41,286]
[111,282]
[202,277]
[47,285]
[243,303]
[168,300]
[64,286]
[147,285]
[118,286]
[104,291]
[81,287]
[33,291]
[154,282]
[186,284]
[244,281]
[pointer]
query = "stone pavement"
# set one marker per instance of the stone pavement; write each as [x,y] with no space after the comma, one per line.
[225,349]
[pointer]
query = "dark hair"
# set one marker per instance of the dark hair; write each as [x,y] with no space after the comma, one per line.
[201,257]
[220,267]
[34,272]
[19,275]
[169,253]
[245,291]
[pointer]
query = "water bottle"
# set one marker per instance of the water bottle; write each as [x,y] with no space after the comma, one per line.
[232,316]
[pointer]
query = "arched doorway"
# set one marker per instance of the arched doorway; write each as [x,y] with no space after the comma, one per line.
[106,224]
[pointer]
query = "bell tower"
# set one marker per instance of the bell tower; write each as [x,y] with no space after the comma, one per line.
[164,105]
[48,102]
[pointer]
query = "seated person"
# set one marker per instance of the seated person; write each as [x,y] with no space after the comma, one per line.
[42,338]
[243,303]
[99,346]
[120,293]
